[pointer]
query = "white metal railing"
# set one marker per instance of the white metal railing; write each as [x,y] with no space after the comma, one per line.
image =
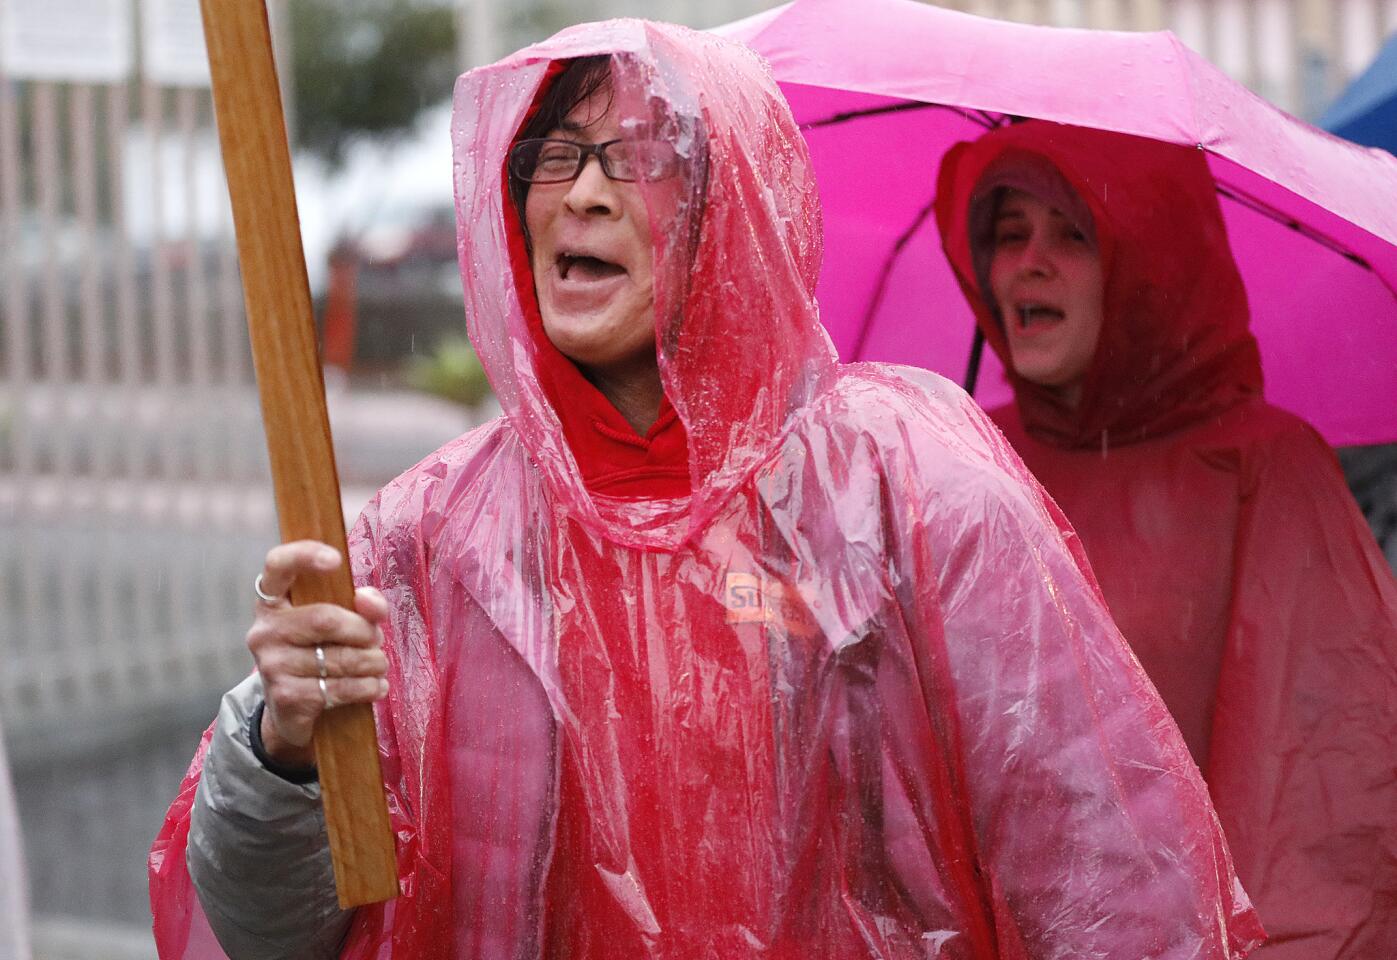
[126,381]
[133,494]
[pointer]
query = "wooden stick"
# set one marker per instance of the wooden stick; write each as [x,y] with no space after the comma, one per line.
[251,130]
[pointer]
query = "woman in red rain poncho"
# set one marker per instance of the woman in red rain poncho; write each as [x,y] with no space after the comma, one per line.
[772,658]
[1226,544]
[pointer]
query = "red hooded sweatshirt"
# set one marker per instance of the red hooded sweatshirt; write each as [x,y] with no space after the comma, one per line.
[1222,534]
[850,694]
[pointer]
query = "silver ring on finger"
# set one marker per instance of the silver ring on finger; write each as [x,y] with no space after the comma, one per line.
[321,667]
[262,594]
[325,695]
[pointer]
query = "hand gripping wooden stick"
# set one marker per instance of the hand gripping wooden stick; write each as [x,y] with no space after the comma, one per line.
[247,104]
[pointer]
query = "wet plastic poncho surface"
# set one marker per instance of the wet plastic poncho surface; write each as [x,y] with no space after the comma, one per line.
[1228,548]
[855,696]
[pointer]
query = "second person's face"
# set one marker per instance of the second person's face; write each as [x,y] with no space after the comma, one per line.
[1046,279]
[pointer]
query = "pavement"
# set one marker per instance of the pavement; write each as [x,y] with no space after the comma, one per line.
[73,938]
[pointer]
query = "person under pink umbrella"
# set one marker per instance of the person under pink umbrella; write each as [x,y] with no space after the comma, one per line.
[1219,526]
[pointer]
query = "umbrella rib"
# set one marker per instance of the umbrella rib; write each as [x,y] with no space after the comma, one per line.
[972,363]
[980,117]
[878,291]
[1266,210]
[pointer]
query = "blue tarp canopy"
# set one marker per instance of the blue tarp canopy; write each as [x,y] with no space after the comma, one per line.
[1366,112]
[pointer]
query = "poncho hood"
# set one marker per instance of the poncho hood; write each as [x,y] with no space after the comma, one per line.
[1175,345]
[739,341]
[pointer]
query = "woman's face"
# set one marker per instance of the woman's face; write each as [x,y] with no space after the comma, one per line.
[1046,279]
[591,255]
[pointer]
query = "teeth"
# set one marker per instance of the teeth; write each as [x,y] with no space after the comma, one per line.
[1031,312]
[566,261]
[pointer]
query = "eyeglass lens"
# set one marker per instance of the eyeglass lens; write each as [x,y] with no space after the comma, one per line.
[555,161]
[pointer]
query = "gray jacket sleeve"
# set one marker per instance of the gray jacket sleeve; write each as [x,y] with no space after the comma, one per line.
[258,852]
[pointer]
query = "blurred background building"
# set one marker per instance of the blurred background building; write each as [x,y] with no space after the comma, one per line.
[134,501]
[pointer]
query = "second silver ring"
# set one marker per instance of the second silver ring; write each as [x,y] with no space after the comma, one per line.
[321,668]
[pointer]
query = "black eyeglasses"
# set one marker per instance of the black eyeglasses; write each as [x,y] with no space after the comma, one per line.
[558,161]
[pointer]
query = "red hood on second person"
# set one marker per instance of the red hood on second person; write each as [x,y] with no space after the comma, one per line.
[1175,345]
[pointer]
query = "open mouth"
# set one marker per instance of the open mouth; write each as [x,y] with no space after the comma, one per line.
[586,268]
[1031,315]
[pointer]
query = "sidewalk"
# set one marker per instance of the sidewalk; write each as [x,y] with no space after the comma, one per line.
[73,938]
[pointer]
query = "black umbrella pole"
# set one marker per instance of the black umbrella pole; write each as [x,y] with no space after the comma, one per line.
[972,367]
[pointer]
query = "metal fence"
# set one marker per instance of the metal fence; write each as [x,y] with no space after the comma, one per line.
[127,400]
[134,495]
[131,480]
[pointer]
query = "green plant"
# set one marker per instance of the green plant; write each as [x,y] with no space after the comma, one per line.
[453,371]
[367,68]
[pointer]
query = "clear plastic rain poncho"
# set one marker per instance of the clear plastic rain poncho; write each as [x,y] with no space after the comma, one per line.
[847,691]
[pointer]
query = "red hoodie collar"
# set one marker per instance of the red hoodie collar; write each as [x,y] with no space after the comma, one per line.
[614,459]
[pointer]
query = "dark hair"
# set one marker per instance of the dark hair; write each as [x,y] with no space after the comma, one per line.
[578,81]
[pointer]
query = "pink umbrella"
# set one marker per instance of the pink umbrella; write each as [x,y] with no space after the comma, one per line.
[883,87]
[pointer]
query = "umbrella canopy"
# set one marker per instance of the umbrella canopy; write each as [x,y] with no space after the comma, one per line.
[883,88]
[1366,112]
